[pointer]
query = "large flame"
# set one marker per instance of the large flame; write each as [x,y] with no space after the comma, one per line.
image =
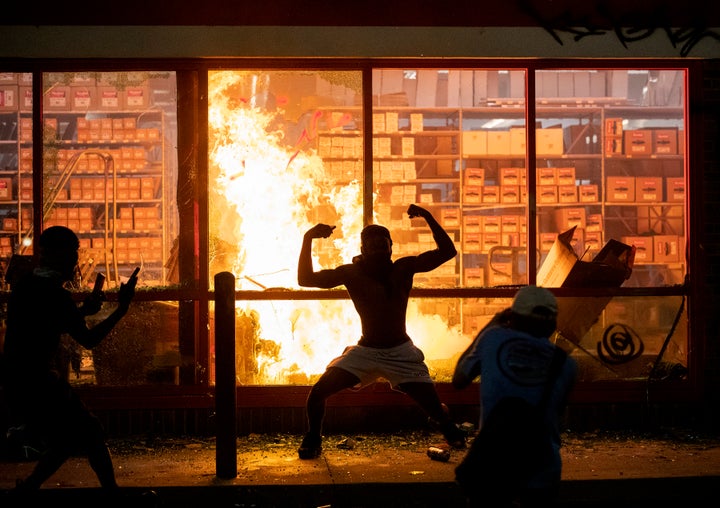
[267,188]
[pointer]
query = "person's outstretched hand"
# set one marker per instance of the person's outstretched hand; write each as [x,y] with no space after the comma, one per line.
[126,293]
[320,231]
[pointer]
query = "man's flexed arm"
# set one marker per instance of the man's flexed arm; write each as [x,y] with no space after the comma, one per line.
[445,247]
[307,276]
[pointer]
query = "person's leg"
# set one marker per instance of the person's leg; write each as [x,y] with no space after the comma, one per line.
[425,395]
[98,453]
[332,381]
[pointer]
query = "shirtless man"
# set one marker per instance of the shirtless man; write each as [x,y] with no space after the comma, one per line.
[379,289]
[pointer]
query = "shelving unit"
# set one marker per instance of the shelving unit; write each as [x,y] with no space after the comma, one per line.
[467,166]
[104,177]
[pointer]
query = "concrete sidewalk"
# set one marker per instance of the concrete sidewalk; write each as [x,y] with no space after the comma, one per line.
[388,470]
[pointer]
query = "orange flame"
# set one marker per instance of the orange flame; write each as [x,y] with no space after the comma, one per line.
[266,191]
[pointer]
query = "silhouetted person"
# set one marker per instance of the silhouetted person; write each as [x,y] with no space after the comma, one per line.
[40,310]
[516,361]
[379,289]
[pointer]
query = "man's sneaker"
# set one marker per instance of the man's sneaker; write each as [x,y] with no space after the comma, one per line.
[454,436]
[311,447]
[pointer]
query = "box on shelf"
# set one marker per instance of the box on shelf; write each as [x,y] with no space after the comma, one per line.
[566,218]
[474,277]
[491,224]
[648,189]
[567,194]
[675,190]
[472,224]
[546,176]
[9,100]
[512,176]
[547,194]
[509,194]
[665,141]
[549,141]
[613,127]
[109,98]
[490,193]
[638,142]
[566,176]
[474,176]
[588,193]
[6,189]
[613,146]
[472,243]
[643,247]
[473,194]
[666,248]
[57,98]
[498,142]
[517,141]
[136,97]
[621,189]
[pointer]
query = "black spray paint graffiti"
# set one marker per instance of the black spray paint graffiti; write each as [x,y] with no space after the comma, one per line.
[631,27]
[620,344]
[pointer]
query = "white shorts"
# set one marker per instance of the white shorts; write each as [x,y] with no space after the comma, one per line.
[400,364]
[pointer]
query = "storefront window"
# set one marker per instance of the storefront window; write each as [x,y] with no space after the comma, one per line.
[110,171]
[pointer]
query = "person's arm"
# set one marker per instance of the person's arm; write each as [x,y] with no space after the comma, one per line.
[445,247]
[91,337]
[466,369]
[307,276]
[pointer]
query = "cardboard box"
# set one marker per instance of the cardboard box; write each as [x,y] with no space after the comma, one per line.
[517,141]
[643,247]
[546,176]
[109,98]
[638,142]
[498,142]
[474,176]
[675,190]
[665,141]
[492,224]
[83,98]
[613,146]
[547,194]
[549,141]
[474,143]
[621,189]
[472,243]
[472,224]
[9,100]
[666,248]
[648,189]
[566,176]
[566,218]
[509,194]
[512,176]
[57,99]
[474,277]
[6,189]
[567,194]
[137,98]
[472,194]
[490,193]
[613,127]
[611,267]
[588,193]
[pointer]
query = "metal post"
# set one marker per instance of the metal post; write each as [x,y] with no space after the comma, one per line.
[225,389]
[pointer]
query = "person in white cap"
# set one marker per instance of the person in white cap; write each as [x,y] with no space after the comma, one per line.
[516,360]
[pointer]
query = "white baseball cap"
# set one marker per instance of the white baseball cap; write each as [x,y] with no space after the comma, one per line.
[529,298]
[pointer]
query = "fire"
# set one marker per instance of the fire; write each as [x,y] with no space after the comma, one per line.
[267,187]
